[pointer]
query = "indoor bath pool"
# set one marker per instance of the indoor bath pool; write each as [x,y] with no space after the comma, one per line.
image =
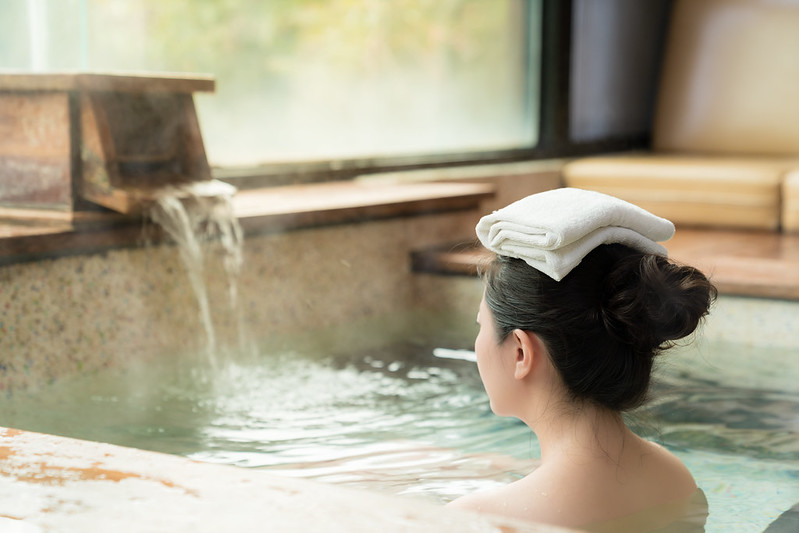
[409,416]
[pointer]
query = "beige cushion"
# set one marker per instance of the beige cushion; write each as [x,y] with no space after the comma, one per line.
[790,202]
[704,191]
[730,78]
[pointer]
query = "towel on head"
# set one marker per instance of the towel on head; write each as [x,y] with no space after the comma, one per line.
[552,231]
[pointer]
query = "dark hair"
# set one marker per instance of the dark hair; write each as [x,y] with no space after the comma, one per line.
[603,323]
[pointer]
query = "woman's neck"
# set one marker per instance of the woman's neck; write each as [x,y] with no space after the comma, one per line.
[585,432]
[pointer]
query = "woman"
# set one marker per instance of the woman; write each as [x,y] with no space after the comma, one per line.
[569,351]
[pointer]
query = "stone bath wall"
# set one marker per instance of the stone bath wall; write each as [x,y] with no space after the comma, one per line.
[81,313]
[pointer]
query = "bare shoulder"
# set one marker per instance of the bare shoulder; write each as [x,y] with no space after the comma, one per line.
[536,497]
[509,500]
[672,476]
[486,501]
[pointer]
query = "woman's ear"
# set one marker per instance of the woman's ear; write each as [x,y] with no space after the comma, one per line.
[527,347]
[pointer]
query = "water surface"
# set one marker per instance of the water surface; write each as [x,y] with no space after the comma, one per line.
[396,418]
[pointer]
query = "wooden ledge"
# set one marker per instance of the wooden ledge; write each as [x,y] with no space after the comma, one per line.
[760,264]
[298,206]
[746,263]
[275,209]
[137,82]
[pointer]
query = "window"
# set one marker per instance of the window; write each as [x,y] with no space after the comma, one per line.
[312,80]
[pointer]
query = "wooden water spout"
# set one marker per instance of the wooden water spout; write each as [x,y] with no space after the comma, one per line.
[111,140]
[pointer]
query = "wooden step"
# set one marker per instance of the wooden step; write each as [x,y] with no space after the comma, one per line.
[744,263]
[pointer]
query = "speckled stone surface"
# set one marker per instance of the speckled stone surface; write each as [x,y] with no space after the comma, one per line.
[80,313]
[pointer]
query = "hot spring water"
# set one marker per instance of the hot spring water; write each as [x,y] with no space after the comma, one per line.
[397,418]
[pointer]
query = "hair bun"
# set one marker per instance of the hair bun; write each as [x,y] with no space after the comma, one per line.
[649,301]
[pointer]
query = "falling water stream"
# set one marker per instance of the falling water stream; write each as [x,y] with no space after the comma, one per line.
[197,216]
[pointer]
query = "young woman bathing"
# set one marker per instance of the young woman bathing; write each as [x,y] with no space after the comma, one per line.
[568,357]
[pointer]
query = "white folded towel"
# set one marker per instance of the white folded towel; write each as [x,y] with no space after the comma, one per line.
[552,231]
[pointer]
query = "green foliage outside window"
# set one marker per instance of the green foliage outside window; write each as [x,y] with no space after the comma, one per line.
[314,79]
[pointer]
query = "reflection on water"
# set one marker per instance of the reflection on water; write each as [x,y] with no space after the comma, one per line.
[400,420]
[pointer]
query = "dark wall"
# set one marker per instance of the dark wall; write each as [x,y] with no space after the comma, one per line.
[616,51]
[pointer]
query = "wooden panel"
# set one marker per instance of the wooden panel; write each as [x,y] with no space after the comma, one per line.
[145,131]
[135,143]
[35,149]
[137,132]
[96,149]
[194,161]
